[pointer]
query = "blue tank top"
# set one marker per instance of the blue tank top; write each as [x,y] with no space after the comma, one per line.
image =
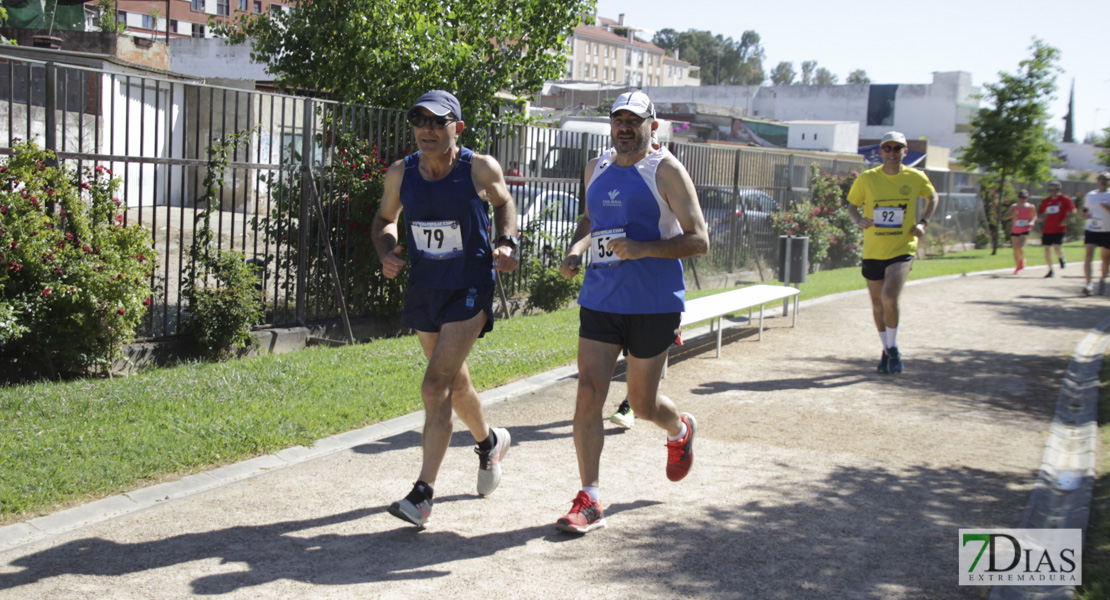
[626,201]
[447,225]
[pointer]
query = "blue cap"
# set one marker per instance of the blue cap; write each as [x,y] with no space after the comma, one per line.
[440,103]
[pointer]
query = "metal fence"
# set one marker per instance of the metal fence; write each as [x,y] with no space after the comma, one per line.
[154,134]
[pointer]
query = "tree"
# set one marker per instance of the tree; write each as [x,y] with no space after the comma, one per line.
[1009,137]
[808,67]
[783,73]
[723,61]
[1102,141]
[388,52]
[824,76]
[859,76]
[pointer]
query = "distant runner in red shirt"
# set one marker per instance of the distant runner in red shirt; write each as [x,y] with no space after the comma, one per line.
[1055,209]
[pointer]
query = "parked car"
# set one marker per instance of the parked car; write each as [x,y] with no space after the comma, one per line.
[748,212]
[548,215]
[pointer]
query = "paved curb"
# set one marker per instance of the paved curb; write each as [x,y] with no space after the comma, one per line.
[1061,497]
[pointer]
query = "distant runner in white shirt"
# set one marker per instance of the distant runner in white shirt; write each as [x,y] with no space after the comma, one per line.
[1096,209]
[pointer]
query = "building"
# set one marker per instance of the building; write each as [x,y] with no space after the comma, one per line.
[609,53]
[186,18]
[938,112]
[826,136]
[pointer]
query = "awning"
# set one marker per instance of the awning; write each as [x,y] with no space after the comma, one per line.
[871,155]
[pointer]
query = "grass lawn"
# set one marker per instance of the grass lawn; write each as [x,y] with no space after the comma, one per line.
[71,442]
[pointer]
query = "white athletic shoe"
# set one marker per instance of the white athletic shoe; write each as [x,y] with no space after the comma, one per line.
[489,463]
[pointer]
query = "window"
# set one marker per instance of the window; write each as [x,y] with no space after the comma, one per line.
[197,6]
[173,26]
[148,22]
[606,50]
[628,57]
[595,71]
[199,30]
[258,6]
[880,104]
[588,48]
[223,7]
[243,5]
[570,69]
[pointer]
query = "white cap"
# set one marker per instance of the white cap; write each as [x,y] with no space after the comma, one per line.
[893,136]
[637,103]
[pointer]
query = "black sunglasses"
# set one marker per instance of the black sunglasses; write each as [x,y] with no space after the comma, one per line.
[893,148]
[419,120]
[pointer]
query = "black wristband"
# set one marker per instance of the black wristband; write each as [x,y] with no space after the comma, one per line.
[508,240]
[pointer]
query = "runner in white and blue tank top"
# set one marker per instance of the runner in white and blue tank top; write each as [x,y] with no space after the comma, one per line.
[626,201]
[642,218]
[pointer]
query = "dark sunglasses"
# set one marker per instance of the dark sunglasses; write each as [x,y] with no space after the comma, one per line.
[893,148]
[419,120]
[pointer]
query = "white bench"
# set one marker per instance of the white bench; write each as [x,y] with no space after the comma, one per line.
[714,308]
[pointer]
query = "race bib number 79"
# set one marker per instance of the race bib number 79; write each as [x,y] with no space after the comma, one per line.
[600,255]
[438,240]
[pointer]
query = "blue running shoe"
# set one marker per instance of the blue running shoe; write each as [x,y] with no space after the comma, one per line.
[884,364]
[894,360]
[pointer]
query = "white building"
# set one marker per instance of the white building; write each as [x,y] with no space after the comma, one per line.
[938,111]
[826,136]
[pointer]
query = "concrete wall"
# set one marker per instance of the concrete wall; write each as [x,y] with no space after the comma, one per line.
[937,111]
[1081,157]
[213,57]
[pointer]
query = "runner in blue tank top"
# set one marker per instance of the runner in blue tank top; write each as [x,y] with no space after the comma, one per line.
[642,217]
[451,280]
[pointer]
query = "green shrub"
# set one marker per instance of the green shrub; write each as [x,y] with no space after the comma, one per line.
[550,291]
[805,219]
[220,316]
[221,289]
[75,280]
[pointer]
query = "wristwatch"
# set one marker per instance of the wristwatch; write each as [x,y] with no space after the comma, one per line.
[512,241]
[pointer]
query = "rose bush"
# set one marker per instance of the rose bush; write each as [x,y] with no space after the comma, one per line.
[74,279]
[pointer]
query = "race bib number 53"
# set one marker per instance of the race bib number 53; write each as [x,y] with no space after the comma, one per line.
[438,240]
[600,255]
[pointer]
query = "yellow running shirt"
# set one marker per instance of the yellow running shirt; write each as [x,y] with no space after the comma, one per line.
[891,202]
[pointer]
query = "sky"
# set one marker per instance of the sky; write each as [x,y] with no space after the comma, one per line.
[903,42]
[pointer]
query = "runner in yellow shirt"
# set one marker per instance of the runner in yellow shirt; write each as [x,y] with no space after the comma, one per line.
[884,202]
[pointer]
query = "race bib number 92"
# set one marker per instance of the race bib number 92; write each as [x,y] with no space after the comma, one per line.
[889,216]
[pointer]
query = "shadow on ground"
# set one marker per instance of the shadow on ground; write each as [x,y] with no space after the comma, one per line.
[857,534]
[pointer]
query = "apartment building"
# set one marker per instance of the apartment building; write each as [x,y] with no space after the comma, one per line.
[186,18]
[609,53]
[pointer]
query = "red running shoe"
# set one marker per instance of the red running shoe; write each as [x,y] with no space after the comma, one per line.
[680,454]
[585,515]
